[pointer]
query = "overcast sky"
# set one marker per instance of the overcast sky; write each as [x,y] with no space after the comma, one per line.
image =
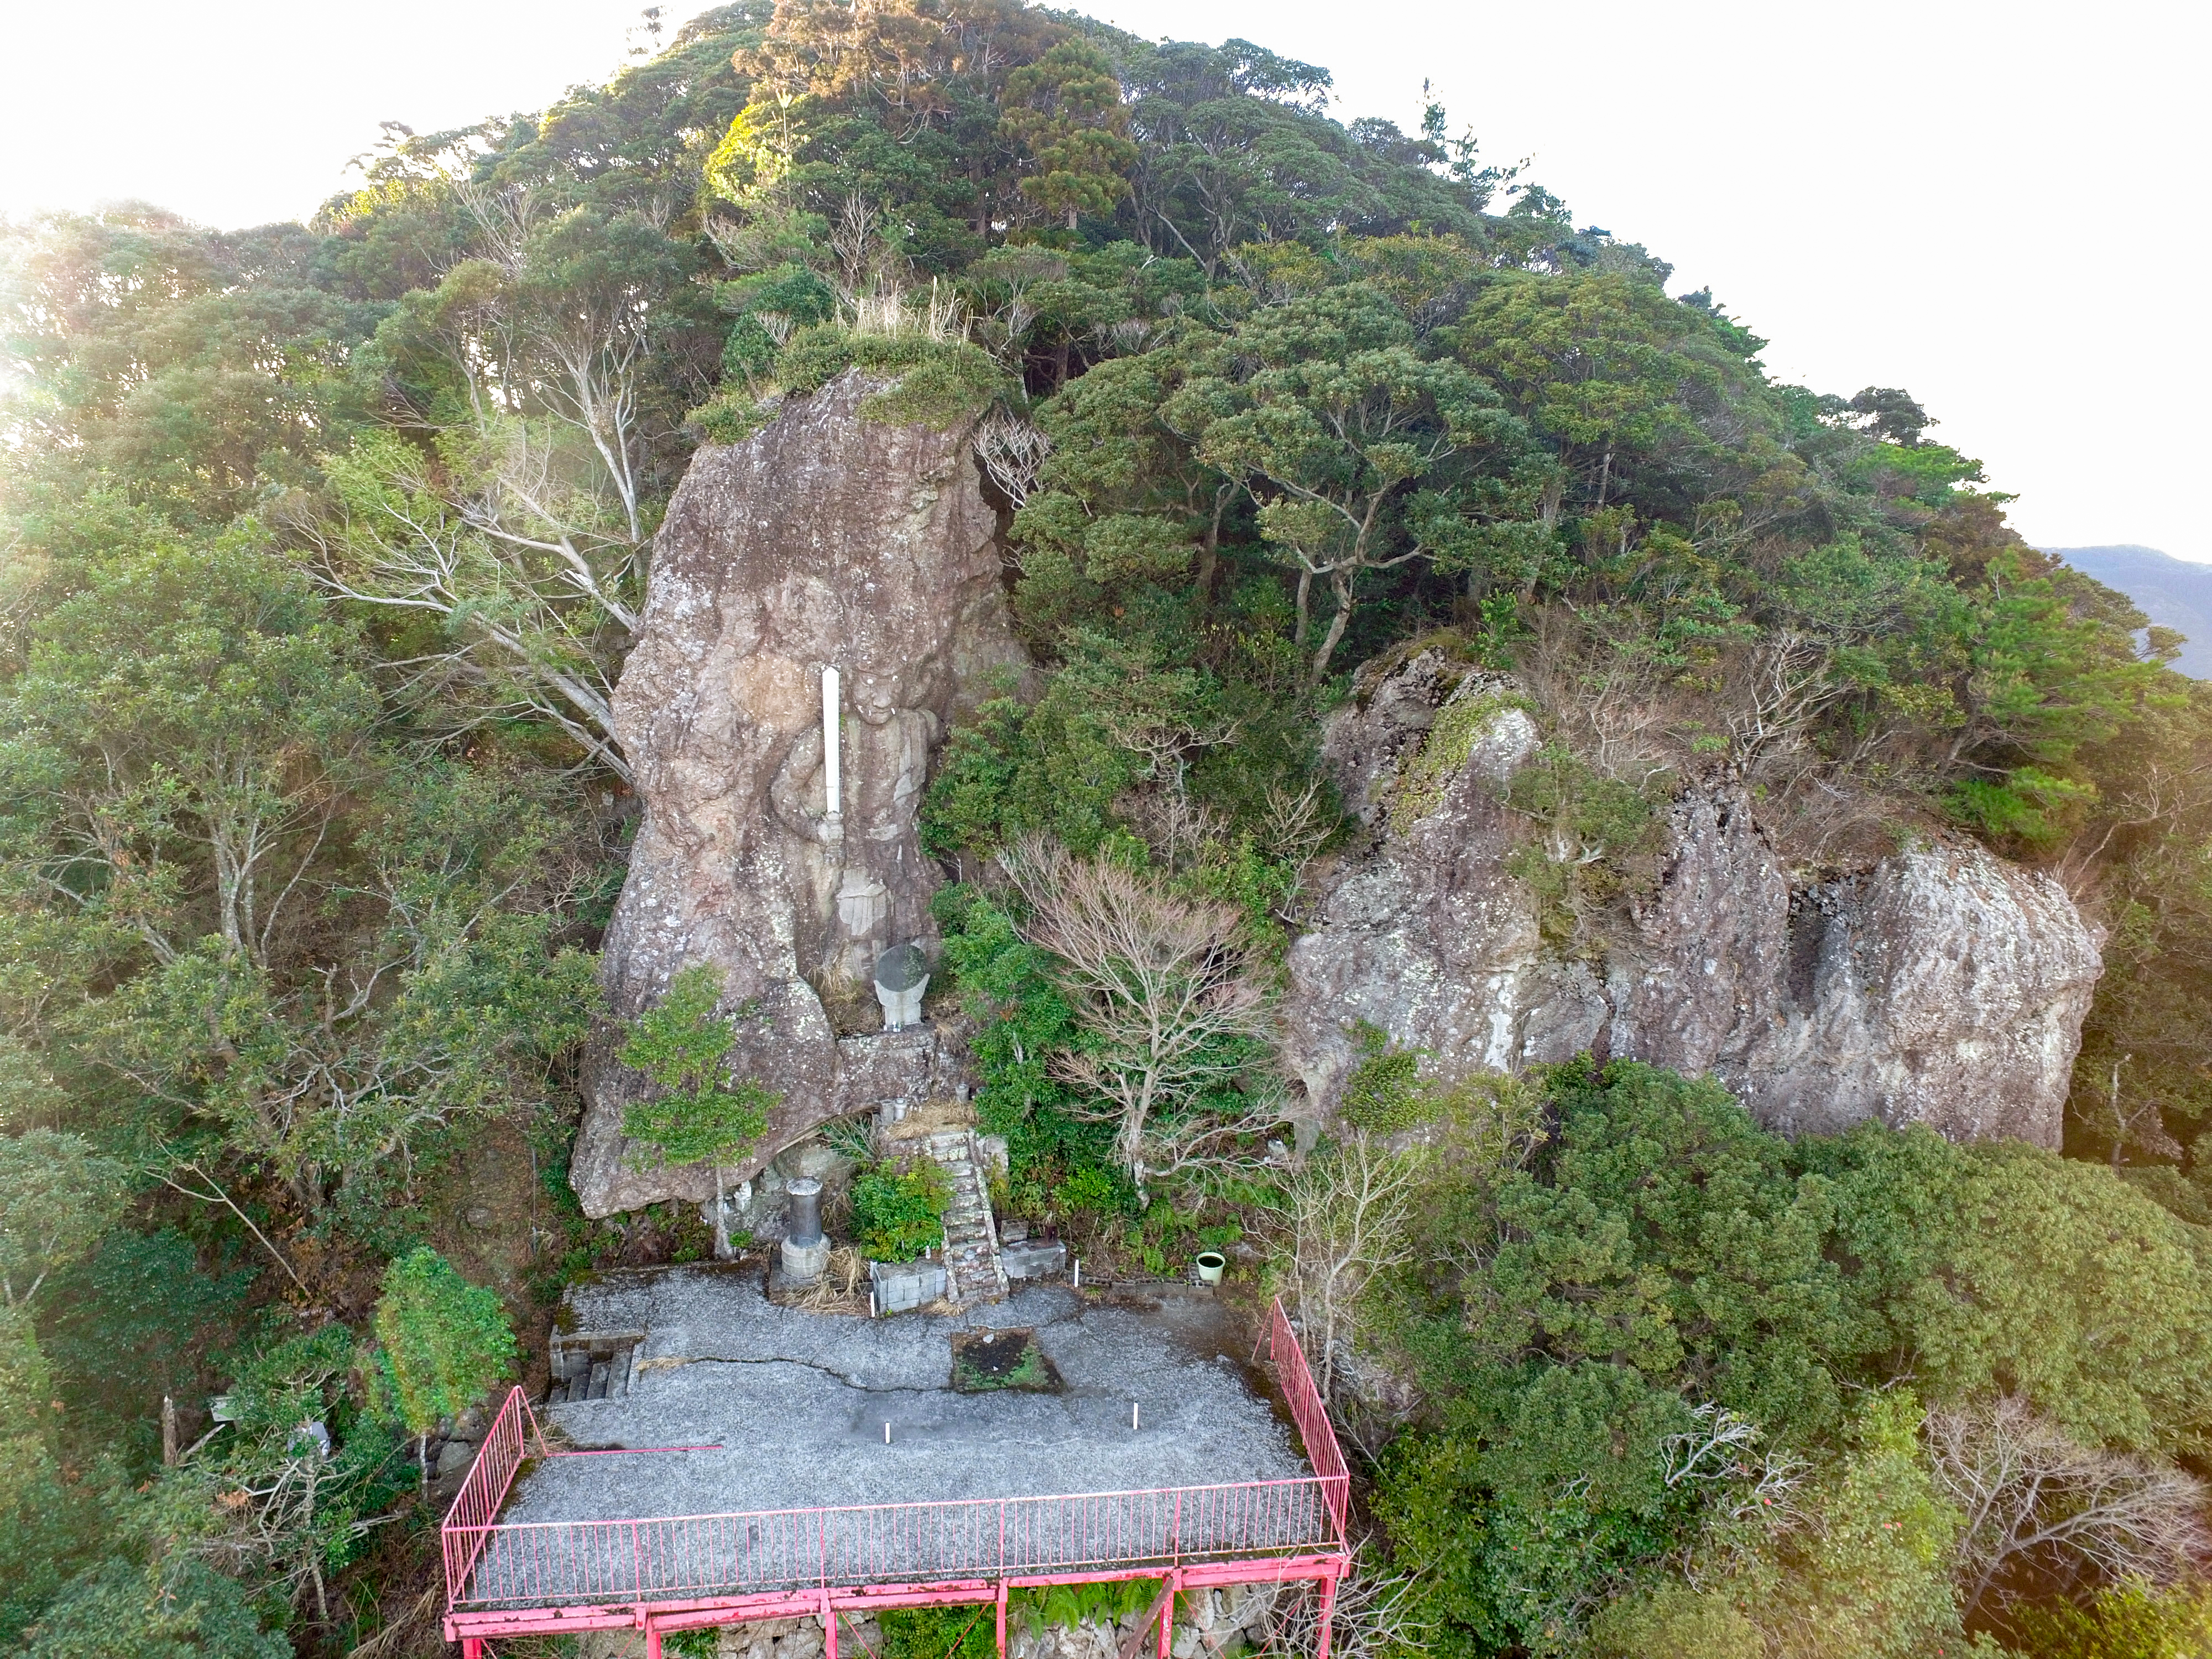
[1998,206]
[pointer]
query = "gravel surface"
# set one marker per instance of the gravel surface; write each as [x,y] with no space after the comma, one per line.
[796,1404]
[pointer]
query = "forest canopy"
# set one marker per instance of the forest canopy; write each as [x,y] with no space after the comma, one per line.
[321,549]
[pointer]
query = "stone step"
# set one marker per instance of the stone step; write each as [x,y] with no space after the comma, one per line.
[971,1238]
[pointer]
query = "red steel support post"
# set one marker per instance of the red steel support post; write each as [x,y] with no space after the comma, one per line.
[1167,1613]
[1002,1614]
[651,1641]
[472,1647]
[1327,1607]
[829,1628]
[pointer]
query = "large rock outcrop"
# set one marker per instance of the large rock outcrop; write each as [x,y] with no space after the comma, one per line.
[1424,932]
[826,540]
[1945,986]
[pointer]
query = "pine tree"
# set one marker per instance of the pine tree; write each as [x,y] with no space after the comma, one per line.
[696,1115]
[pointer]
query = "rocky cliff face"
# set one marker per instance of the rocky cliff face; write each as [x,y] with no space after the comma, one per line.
[1945,986]
[1426,935]
[825,541]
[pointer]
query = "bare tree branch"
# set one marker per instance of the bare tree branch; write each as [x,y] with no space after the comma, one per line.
[1347,1211]
[1167,999]
[2036,1502]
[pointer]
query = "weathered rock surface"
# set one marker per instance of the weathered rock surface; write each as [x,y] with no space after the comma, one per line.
[1944,986]
[826,540]
[1703,971]
[1428,936]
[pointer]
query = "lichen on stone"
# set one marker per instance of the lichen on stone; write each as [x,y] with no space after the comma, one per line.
[1428,773]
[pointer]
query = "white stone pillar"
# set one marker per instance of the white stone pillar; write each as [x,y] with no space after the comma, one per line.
[833,786]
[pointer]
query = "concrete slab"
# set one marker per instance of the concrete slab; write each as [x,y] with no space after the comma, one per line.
[797,1403]
[1034,1259]
[903,1286]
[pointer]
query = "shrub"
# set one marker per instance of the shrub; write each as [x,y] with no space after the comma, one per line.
[898,1214]
[445,1341]
[1384,1094]
[940,383]
[940,1632]
[1091,1190]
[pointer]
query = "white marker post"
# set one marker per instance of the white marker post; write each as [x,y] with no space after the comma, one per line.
[833,785]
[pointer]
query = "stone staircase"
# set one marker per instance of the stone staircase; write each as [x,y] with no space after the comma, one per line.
[973,1270]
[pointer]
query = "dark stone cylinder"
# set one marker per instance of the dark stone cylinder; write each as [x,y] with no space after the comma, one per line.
[805,1224]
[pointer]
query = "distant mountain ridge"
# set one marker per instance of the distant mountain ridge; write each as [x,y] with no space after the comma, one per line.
[2174,593]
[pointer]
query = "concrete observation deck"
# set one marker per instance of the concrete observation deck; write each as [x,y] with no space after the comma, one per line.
[796,1403]
[728,1458]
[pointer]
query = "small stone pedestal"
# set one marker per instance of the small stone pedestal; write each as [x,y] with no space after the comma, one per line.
[805,1263]
[1034,1259]
[806,1252]
[901,1286]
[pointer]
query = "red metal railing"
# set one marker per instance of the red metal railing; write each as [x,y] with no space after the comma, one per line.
[489,1564]
[470,1522]
[1308,1412]
[643,1560]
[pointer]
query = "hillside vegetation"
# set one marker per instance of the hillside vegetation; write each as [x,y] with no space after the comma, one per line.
[2175,593]
[322,547]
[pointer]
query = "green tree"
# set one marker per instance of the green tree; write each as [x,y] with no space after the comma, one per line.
[444,1341]
[1871,1574]
[1234,152]
[1123,498]
[1066,109]
[695,1115]
[1330,418]
[56,1197]
[179,1609]
[26,1392]
[517,510]
[1663,1229]
[2129,1621]
[193,768]
[2007,1268]
[1672,1621]
[284,1498]
[135,1320]
[1654,1305]
[197,365]
[190,703]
